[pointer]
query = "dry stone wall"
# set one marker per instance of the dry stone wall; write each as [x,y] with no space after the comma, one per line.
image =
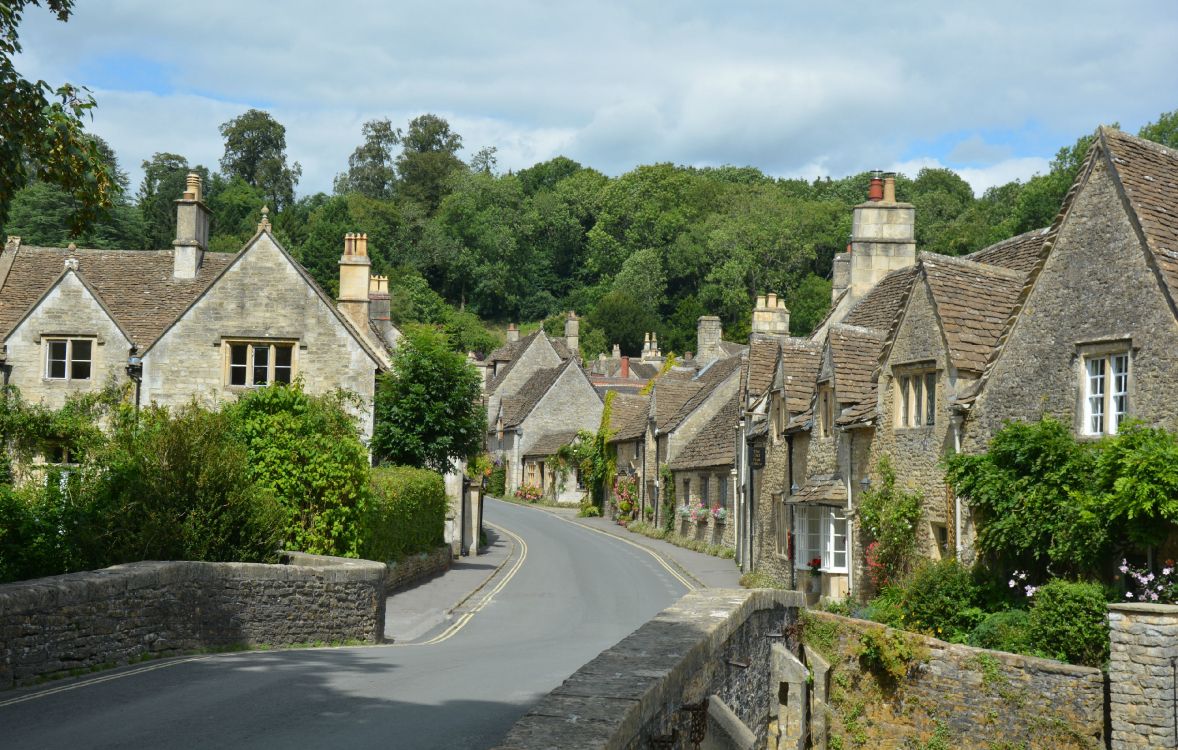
[63,624]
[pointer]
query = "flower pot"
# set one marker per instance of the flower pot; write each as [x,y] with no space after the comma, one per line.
[814,585]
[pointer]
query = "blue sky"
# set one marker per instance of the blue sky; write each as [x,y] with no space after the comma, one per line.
[990,89]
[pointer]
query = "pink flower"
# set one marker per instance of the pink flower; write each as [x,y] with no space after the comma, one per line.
[1128,594]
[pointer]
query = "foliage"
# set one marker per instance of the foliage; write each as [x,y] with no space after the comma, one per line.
[887,652]
[624,320]
[1150,587]
[1007,630]
[41,131]
[306,450]
[760,580]
[405,515]
[427,159]
[1137,472]
[1068,621]
[887,607]
[594,455]
[696,545]
[941,600]
[667,485]
[588,509]
[1163,131]
[889,518]
[428,413]
[497,479]
[625,492]
[255,151]
[371,170]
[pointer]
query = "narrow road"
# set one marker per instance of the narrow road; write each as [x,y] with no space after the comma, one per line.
[576,593]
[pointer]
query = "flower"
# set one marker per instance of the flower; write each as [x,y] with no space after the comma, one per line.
[1128,594]
[1012,583]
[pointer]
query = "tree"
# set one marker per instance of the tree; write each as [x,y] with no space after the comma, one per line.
[428,411]
[808,303]
[41,133]
[428,157]
[255,151]
[623,320]
[1164,131]
[370,167]
[163,182]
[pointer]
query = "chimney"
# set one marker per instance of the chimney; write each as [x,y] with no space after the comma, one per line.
[770,316]
[354,282]
[654,346]
[883,239]
[192,230]
[380,307]
[512,332]
[875,191]
[625,367]
[645,345]
[707,338]
[840,274]
[572,338]
[617,352]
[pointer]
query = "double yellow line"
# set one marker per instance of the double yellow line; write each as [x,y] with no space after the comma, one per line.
[105,678]
[461,622]
[688,584]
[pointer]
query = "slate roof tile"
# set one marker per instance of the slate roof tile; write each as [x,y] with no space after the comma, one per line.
[519,405]
[549,443]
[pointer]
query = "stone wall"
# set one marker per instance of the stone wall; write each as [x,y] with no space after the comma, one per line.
[711,648]
[414,568]
[54,626]
[1143,676]
[966,697]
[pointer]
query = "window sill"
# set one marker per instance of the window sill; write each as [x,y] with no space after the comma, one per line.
[922,428]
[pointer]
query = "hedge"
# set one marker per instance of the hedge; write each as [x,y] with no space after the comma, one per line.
[406,513]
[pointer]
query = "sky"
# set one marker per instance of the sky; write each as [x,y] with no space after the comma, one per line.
[797,89]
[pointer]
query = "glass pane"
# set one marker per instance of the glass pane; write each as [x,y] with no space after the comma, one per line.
[703,491]
[838,541]
[1096,396]
[261,365]
[81,349]
[80,370]
[904,401]
[56,364]
[917,402]
[282,364]
[723,493]
[237,354]
[1120,394]
[930,392]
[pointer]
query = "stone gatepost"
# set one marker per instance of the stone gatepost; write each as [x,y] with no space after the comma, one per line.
[1143,676]
[790,676]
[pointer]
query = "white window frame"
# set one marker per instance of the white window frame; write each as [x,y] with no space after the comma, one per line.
[820,531]
[48,341]
[915,391]
[781,526]
[1105,386]
[251,347]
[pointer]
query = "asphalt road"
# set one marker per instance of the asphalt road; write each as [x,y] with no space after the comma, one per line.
[576,593]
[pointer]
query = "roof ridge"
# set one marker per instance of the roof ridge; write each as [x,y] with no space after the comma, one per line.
[1009,273]
[849,328]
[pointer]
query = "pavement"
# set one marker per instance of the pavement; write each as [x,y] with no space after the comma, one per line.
[412,614]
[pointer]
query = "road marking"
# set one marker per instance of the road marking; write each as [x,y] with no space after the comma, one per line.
[461,622]
[97,680]
[691,586]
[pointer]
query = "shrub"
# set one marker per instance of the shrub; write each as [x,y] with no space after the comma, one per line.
[405,514]
[1068,622]
[307,451]
[941,600]
[1004,631]
[889,519]
[497,480]
[588,509]
[889,653]
[887,607]
[529,493]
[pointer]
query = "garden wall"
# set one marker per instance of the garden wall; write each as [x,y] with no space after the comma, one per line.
[414,568]
[1143,676]
[703,664]
[62,624]
[951,696]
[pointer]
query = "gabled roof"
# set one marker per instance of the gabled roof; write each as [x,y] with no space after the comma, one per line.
[627,417]
[973,302]
[669,396]
[136,286]
[761,365]
[549,443]
[825,490]
[513,351]
[1019,253]
[880,306]
[855,353]
[519,405]
[715,444]
[708,380]
[800,361]
[644,370]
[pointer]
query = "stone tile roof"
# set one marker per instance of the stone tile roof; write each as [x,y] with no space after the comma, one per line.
[834,305]
[644,370]
[824,490]
[880,306]
[511,349]
[1019,253]
[136,286]
[731,349]
[549,443]
[761,366]
[512,352]
[715,444]
[862,413]
[973,301]
[1148,172]
[669,396]
[855,352]
[800,361]
[627,417]
[708,379]
[519,405]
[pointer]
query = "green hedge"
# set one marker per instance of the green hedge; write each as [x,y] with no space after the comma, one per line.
[405,515]
[1068,621]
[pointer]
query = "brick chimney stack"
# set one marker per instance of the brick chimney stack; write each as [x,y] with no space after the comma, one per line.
[192,230]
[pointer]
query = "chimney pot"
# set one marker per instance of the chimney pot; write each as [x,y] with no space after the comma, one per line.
[875,192]
[625,367]
[760,300]
[617,351]
[889,188]
[771,300]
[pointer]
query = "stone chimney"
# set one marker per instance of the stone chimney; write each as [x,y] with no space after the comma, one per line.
[707,338]
[192,230]
[512,333]
[354,282]
[770,316]
[380,308]
[883,240]
[840,274]
[617,351]
[654,346]
[572,334]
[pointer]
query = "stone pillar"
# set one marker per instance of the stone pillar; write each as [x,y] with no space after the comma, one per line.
[1143,676]
[572,334]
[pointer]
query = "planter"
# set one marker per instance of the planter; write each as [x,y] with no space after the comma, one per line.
[814,584]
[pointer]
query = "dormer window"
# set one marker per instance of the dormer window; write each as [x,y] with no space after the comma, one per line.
[68,359]
[916,398]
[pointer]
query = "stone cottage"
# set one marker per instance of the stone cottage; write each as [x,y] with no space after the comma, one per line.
[185,323]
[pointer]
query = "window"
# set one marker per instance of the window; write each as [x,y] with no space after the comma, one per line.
[260,363]
[916,399]
[820,533]
[1106,392]
[68,359]
[703,490]
[686,491]
[825,409]
[940,536]
[780,525]
[722,484]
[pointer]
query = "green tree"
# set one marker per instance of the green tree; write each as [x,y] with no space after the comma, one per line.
[427,160]
[1164,131]
[41,131]
[164,176]
[255,151]
[41,214]
[623,320]
[808,303]
[428,412]
[371,170]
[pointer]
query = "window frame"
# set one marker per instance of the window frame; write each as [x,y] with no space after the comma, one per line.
[914,390]
[824,522]
[782,526]
[251,347]
[1114,386]
[70,360]
[825,406]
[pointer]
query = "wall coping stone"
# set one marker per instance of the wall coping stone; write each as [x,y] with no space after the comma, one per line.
[1152,609]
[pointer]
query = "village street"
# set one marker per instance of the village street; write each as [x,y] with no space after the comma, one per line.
[566,593]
